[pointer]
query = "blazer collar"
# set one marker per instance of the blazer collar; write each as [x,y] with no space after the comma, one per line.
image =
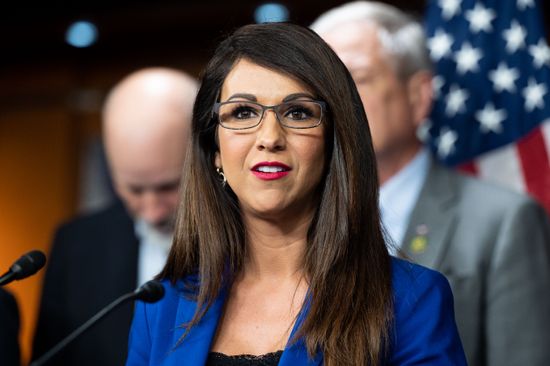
[196,347]
[431,222]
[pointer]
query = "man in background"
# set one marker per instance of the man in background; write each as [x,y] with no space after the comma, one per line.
[493,245]
[98,257]
[9,330]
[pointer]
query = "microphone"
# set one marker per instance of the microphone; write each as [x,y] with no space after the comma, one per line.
[24,267]
[149,292]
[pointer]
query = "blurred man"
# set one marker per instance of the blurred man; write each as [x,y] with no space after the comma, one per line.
[97,258]
[9,330]
[493,245]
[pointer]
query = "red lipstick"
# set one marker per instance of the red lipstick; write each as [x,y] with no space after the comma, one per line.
[270,170]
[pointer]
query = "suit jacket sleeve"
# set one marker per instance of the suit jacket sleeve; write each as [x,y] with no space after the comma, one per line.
[425,330]
[9,330]
[518,290]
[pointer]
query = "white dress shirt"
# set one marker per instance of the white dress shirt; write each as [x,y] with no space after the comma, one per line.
[398,197]
[153,250]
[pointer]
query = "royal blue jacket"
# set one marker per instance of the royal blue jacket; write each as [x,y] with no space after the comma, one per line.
[424,331]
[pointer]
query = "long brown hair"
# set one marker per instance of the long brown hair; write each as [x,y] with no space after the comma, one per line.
[346,261]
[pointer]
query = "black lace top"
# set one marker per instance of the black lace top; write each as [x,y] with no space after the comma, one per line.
[219,359]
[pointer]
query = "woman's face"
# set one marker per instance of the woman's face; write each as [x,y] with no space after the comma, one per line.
[272,169]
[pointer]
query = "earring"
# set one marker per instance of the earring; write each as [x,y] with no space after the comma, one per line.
[223,179]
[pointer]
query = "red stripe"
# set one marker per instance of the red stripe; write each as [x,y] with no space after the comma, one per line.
[469,168]
[536,167]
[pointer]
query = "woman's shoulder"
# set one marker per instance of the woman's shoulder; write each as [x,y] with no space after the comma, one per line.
[406,274]
[176,299]
[412,283]
[424,326]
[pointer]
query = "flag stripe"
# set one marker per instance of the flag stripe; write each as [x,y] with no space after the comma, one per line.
[469,168]
[546,132]
[502,166]
[536,166]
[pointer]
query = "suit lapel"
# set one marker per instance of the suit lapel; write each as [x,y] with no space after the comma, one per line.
[296,353]
[431,222]
[194,350]
[122,249]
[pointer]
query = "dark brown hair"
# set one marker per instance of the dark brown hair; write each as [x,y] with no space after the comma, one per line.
[346,261]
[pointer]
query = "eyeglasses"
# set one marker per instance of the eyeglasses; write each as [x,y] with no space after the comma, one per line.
[241,115]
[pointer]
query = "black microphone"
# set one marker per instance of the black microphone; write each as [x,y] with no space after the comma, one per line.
[24,267]
[150,292]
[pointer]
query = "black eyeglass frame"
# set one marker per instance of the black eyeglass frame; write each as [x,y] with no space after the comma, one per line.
[217,106]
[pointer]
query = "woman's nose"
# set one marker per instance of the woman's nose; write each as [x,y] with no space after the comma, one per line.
[271,134]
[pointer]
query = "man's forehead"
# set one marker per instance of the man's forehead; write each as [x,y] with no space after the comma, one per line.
[143,175]
[356,43]
[358,31]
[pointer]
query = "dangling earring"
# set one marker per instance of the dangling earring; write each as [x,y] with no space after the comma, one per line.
[223,179]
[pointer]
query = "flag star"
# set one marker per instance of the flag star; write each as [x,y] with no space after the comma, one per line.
[440,44]
[490,118]
[515,37]
[455,101]
[504,78]
[446,143]
[534,94]
[467,58]
[480,18]
[437,84]
[449,8]
[524,4]
[540,53]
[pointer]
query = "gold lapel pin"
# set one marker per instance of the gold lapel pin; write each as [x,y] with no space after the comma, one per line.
[419,242]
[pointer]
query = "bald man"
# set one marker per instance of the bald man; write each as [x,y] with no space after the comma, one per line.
[96,258]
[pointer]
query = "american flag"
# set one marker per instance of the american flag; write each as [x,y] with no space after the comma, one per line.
[491,114]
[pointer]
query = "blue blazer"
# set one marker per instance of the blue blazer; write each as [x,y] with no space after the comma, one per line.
[424,331]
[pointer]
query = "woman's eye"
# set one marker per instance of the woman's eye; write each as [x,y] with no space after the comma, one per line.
[298,114]
[244,113]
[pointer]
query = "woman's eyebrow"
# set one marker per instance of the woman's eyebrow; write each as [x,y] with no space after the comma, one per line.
[297,96]
[250,97]
[253,98]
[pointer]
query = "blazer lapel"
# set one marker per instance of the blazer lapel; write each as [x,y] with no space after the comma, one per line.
[194,351]
[432,219]
[296,353]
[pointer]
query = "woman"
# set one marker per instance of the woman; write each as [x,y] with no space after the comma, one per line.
[278,255]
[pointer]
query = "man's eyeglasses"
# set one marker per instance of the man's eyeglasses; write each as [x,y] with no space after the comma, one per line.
[240,115]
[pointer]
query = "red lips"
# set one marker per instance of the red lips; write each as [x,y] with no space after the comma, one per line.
[270,170]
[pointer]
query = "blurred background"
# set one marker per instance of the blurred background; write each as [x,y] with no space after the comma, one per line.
[58,60]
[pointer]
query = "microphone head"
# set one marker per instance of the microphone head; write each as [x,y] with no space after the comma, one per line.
[151,291]
[28,264]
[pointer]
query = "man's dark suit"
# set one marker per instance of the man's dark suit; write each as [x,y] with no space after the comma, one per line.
[92,262]
[9,330]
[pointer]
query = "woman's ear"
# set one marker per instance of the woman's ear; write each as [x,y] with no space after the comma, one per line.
[218,160]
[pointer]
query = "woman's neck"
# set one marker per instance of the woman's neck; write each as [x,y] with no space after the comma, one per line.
[275,250]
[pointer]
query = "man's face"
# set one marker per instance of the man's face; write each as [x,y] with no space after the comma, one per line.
[149,196]
[146,160]
[385,97]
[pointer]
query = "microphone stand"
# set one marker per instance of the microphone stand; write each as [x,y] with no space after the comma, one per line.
[6,278]
[78,331]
